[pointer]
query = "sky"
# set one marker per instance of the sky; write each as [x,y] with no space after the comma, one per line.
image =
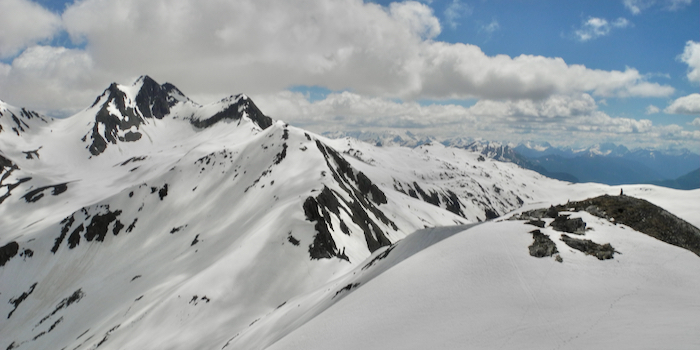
[571,73]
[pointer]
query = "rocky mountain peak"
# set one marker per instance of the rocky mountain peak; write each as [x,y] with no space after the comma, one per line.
[123,110]
[235,107]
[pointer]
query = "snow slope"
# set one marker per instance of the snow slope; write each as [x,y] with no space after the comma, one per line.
[480,289]
[147,221]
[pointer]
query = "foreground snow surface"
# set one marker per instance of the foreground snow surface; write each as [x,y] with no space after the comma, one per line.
[480,289]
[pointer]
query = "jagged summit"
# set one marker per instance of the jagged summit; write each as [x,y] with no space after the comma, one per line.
[121,112]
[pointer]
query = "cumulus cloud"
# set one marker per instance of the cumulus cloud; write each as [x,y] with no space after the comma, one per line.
[463,71]
[695,122]
[264,46]
[595,27]
[691,57]
[685,105]
[637,6]
[24,23]
[257,46]
[51,79]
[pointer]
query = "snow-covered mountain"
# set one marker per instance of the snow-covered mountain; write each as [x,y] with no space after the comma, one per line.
[148,221]
[387,138]
[603,163]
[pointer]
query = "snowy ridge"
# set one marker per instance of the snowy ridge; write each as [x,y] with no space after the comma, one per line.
[219,228]
[19,120]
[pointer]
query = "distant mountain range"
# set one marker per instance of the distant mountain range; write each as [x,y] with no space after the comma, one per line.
[606,163]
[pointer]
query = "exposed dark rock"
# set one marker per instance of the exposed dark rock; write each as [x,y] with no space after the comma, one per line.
[8,251]
[195,241]
[323,246]
[329,201]
[7,167]
[235,112]
[133,159]
[32,154]
[163,192]
[35,195]
[490,214]
[132,226]
[66,302]
[53,326]
[563,223]
[20,299]
[177,229]
[381,256]
[118,226]
[366,186]
[452,203]
[109,332]
[644,217]
[344,228]
[357,207]
[27,253]
[602,252]
[67,223]
[152,99]
[347,288]
[293,240]
[432,198]
[280,156]
[97,229]
[111,123]
[38,336]
[536,222]
[74,238]
[542,246]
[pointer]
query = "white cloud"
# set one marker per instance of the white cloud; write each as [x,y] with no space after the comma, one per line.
[651,109]
[455,11]
[24,23]
[691,57]
[558,119]
[51,79]
[595,27]
[695,122]
[417,17]
[637,6]
[460,70]
[685,105]
[491,27]
[264,46]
